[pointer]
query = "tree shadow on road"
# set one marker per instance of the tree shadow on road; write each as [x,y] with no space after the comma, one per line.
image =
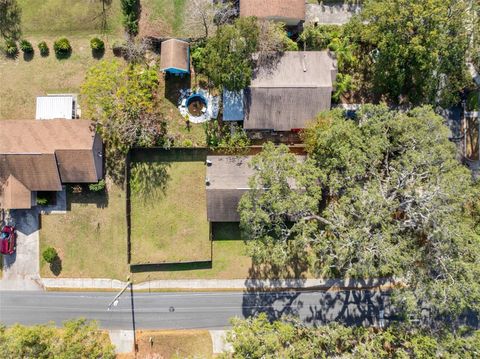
[350,307]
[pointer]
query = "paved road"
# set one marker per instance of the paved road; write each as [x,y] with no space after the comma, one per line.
[191,310]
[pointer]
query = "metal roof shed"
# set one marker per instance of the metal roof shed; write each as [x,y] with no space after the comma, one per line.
[55,107]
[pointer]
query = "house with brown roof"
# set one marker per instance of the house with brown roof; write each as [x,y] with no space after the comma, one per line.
[226,182]
[290,12]
[175,56]
[41,156]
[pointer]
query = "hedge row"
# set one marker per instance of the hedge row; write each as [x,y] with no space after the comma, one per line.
[61,47]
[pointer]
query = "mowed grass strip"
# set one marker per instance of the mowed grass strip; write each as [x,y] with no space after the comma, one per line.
[69,17]
[90,238]
[172,227]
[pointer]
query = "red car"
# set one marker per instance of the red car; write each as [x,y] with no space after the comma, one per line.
[8,240]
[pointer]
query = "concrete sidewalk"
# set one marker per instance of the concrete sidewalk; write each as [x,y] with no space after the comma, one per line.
[213,284]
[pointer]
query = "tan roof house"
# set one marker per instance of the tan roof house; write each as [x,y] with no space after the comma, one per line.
[175,56]
[290,12]
[44,155]
[291,92]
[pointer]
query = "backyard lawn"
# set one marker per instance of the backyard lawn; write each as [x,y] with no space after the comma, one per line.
[173,226]
[23,81]
[69,17]
[162,18]
[90,238]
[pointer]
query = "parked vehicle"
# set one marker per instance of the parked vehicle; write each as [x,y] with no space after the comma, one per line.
[8,239]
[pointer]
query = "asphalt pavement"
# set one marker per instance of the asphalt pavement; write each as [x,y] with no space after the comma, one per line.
[188,310]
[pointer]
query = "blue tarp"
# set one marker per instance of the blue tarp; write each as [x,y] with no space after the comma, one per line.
[233,105]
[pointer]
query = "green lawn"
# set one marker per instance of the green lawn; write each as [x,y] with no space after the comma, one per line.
[90,238]
[68,17]
[173,226]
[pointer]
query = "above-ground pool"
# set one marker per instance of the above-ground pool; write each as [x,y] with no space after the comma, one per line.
[196,105]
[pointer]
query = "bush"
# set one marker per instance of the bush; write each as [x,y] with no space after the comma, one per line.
[97,187]
[41,201]
[50,254]
[11,48]
[26,46]
[43,47]
[62,47]
[97,44]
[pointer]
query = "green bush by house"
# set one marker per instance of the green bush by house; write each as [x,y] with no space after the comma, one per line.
[97,187]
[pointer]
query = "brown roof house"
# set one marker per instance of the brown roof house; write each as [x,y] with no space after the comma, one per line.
[227,181]
[175,57]
[43,155]
[290,12]
[291,92]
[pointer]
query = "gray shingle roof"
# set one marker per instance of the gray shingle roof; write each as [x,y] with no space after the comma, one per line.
[290,93]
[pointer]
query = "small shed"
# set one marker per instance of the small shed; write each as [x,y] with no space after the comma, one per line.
[233,105]
[56,107]
[175,56]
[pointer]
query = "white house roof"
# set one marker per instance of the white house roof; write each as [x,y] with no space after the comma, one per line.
[53,107]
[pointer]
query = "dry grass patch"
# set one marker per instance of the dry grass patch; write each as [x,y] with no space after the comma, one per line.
[167,344]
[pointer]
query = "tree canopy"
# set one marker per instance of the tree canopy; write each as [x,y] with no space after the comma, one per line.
[257,337]
[383,195]
[77,339]
[121,103]
[10,18]
[413,51]
[227,58]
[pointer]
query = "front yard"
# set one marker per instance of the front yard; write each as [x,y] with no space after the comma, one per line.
[90,238]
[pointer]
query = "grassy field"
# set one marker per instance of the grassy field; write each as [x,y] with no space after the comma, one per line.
[69,17]
[23,81]
[162,17]
[172,226]
[173,344]
[90,238]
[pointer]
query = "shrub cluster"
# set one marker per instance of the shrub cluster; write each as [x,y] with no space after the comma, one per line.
[62,47]
[97,44]
[97,187]
[26,46]
[43,47]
